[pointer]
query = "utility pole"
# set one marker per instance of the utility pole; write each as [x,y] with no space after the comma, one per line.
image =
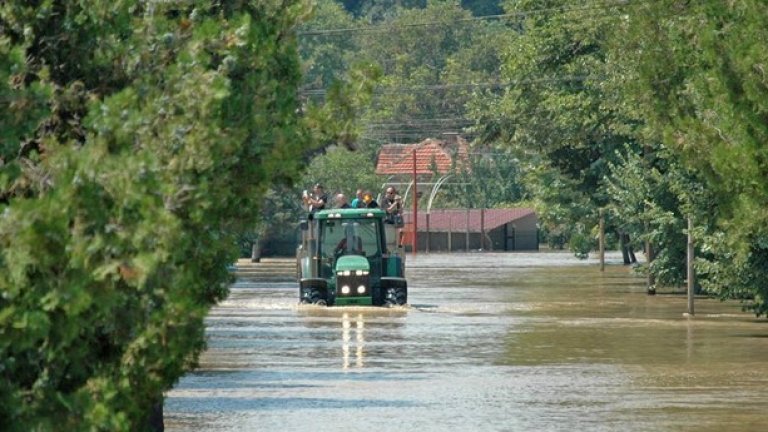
[602,241]
[466,239]
[651,279]
[482,229]
[689,265]
[415,206]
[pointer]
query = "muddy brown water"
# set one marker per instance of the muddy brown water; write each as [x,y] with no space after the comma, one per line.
[489,342]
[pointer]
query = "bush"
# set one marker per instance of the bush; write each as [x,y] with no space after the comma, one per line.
[160,126]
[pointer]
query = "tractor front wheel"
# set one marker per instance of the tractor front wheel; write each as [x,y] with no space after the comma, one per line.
[395,296]
[314,296]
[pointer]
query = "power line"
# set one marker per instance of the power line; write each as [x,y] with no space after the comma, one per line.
[409,130]
[422,122]
[426,122]
[416,134]
[409,119]
[491,85]
[520,14]
[469,126]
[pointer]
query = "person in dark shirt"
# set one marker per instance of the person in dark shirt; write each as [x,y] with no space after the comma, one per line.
[341,201]
[317,200]
[369,201]
[392,204]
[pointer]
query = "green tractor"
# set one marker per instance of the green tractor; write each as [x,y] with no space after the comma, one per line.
[351,257]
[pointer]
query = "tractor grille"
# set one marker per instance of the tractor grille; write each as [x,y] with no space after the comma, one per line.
[353,282]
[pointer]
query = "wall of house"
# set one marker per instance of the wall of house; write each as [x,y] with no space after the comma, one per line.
[443,241]
[520,235]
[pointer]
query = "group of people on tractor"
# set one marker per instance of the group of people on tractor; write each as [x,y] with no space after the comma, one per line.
[392,203]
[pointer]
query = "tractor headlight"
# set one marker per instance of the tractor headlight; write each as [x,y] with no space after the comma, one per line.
[361,289]
[361,272]
[345,289]
[346,273]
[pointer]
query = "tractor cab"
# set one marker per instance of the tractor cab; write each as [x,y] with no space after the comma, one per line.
[350,257]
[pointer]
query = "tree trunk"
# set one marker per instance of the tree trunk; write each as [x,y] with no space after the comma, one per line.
[631,250]
[651,281]
[256,251]
[155,419]
[624,247]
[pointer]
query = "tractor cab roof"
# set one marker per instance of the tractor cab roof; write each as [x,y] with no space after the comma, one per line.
[349,213]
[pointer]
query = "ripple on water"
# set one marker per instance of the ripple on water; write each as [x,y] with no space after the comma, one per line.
[489,342]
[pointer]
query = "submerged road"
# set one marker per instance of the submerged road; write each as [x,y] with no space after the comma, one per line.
[489,342]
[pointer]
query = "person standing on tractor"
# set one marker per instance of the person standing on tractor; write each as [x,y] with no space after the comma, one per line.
[341,201]
[358,201]
[316,200]
[369,201]
[393,204]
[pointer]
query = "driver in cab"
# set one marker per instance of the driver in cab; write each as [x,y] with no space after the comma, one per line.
[351,244]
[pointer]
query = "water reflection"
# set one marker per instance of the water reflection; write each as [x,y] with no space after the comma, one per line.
[346,339]
[689,341]
[355,337]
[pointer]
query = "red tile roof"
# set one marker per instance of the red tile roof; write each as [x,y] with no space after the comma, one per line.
[396,159]
[456,219]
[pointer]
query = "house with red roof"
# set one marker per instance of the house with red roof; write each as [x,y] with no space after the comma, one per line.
[431,156]
[446,230]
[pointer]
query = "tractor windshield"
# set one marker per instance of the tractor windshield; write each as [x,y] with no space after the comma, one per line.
[349,237]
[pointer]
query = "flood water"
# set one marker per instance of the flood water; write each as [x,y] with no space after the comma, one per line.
[489,342]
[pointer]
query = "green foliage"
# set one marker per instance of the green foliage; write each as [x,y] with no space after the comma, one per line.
[343,171]
[140,140]
[326,57]
[335,121]
[429,60]
[581,242]
[654,111]
[487,180]
[483,7]
[702,88]
[24,104]
[558,115]
[651,199]
[561,208]
[378,10]
[338,169]
[740,275]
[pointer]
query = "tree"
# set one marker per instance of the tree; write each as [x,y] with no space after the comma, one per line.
[483,7]
[338,169]
[326,57]
[701,83]
[343,171]
[557,113]
[378,10]
[139,141]
[433,61]
[489,179]
[651,202]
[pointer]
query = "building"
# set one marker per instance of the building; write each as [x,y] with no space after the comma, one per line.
[432,157]
[443,230]
[452,229]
